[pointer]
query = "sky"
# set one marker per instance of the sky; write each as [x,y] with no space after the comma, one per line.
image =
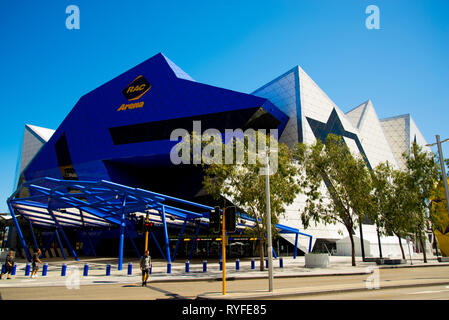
[403,66]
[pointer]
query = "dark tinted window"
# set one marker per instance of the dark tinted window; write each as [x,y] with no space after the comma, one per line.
[255,118]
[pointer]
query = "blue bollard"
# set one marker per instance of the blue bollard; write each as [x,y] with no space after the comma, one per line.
[108,270]
[27,269]
[266,263]
[281,262]
[13,272]
[221,265]
[63,270]
[253,264]
[3,268]
[204,266]
[130,269]
[168,267]
[237,264]
[187,266]
[86,270]
[44,270]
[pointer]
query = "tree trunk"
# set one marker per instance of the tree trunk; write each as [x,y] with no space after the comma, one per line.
[352,247]
[400,244]
[378,240]
[261,253]
[362,245]
[423,247]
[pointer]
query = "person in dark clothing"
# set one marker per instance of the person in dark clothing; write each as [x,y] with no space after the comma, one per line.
[145,265]
[34,261]
[9,265]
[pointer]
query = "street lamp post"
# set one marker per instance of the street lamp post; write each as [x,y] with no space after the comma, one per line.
[443,169]
[270,244]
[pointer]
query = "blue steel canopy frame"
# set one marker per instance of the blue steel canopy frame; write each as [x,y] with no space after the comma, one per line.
[79,204]
[286,229]
[57,203]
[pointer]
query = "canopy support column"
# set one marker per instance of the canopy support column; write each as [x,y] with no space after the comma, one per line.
[87,234]
[33,235]
[274,253]
[49,241]
[167,244]
[58,226]
[122,235]
[179,239]
[157,245]
[296,247]
[19,231]
[60,244]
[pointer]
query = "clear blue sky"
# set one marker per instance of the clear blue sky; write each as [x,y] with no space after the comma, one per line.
[240,45]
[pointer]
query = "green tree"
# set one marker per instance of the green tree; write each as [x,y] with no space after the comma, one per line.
[347,182]
[397,218]
[380,196]
[421,174]
[244,185]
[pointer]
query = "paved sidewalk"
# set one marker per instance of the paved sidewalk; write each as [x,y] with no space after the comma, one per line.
[97,271]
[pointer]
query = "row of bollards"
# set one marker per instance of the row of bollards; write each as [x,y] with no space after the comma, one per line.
[130,268]
[237,265]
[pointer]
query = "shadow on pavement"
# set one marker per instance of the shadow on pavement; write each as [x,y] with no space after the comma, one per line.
[168,293]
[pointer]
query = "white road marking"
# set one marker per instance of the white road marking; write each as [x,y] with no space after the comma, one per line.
[430,291]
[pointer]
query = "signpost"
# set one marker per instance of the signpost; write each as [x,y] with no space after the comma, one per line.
[147,220]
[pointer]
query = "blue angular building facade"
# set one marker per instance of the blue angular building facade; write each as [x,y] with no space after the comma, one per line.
[120,133]
[126,139]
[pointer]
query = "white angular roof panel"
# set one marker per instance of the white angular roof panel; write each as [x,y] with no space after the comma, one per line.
[314,115]
[371,134]
[34,138]
[282,92]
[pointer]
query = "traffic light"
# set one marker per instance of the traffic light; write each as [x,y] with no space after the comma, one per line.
[230,219]
[148,226]
[139,226]
[214,220]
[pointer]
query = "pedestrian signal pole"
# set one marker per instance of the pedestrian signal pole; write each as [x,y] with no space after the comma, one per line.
[223,240]
[147,219]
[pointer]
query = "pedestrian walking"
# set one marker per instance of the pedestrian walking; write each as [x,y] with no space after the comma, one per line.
[34,261]
[9,265]
[145,265]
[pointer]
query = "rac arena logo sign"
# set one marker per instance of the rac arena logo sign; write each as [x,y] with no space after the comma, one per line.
[134,91]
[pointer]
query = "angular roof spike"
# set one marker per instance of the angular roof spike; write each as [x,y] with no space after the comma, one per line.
[177,70]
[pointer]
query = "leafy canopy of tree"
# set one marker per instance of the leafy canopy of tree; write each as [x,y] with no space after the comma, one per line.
[421,175]
[347,181]
[244,185]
